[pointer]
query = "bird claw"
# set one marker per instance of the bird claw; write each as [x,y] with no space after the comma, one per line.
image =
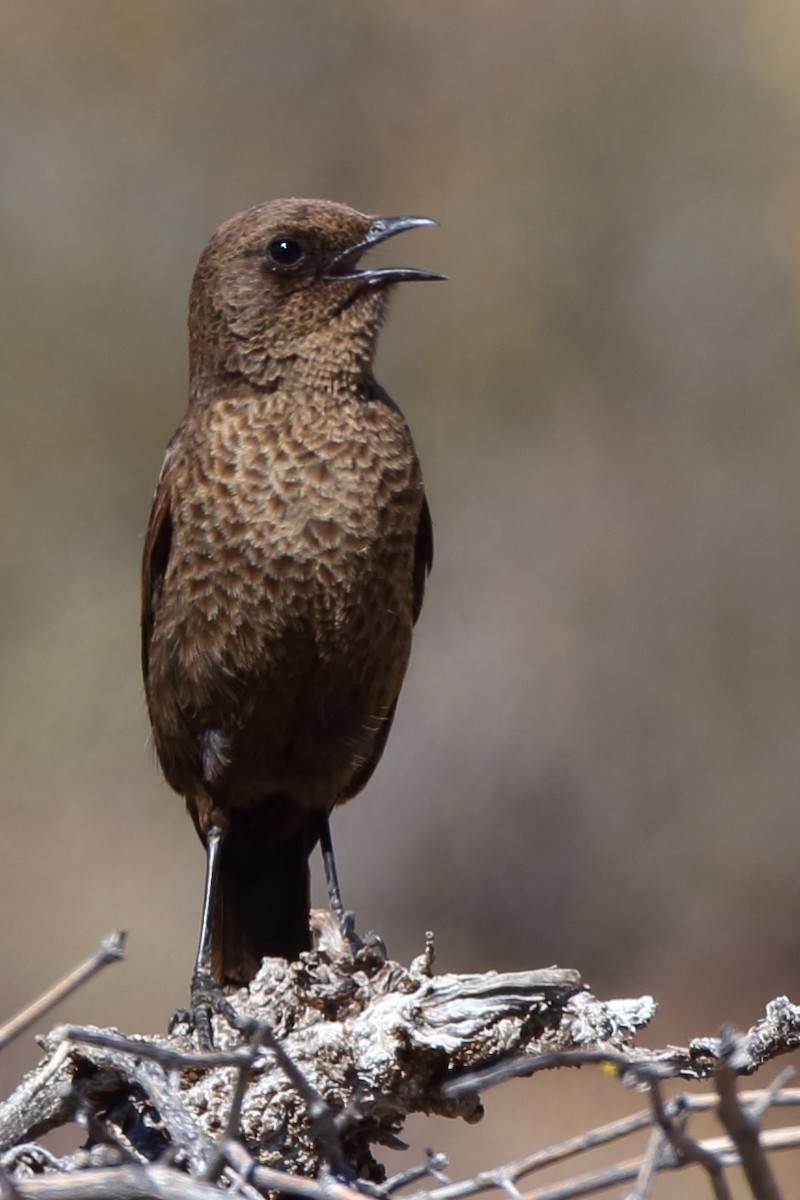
[181,1016]
[346,920]
[369,951]
[207,999]
[372,953]
[373,944]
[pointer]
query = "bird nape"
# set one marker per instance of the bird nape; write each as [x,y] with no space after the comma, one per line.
[284,568]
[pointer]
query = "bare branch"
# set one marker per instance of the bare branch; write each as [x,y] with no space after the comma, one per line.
[432,1167]
[110,950]
[687,1148]
[126,1183]
[168,1057]
[650,1164]
[741,1126]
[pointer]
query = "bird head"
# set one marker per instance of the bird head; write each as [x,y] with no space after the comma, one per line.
[284,283]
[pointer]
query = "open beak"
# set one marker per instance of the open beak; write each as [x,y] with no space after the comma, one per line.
[345,265]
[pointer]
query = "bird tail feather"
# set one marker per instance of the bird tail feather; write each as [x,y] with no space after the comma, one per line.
[263,897]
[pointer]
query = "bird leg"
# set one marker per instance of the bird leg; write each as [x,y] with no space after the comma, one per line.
[207,996]
[345,920]
[371,945]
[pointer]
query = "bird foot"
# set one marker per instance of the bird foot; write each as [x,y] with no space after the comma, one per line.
[208,999]
[368,952]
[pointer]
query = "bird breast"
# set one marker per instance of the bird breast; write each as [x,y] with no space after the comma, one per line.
[294,528]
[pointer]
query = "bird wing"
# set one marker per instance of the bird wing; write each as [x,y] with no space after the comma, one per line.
[423,560]
[423,556]
[157,545]
[423,545]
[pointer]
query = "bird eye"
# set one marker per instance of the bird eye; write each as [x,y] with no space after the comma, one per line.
[285,252]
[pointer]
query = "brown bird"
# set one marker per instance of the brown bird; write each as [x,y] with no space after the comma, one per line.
[284,567]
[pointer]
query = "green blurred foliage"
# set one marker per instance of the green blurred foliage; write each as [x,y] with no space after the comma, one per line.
[597,754]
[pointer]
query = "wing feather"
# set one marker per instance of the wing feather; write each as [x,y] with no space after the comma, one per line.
[423,556]
[157,546]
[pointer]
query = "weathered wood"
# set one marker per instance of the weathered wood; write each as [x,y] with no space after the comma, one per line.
[373,1041]
[333,1053]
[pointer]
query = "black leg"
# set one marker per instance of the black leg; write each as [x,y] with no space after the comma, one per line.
[214,839]
[371,945]
[331,874]
[207,996]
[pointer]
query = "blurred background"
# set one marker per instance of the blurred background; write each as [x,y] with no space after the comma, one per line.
[596,758]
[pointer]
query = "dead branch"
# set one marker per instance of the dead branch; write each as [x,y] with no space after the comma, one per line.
[366,1046]
[341,1052]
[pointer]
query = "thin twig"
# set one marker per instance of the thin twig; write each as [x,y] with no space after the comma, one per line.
[763,1098]
[547,1157]
[117,1183]
[327,1188]
[504,1182]
[597,1181]
[169,1059]
[741,1126]
[647,1172]
[688,1148]
[615,1130]
[771,1095]
[110,951]
[239,1169]
[432,1168]
[529,1064]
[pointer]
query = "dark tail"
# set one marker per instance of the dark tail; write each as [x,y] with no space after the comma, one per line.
[264,894]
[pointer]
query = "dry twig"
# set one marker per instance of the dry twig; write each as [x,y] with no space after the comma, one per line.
[111,950]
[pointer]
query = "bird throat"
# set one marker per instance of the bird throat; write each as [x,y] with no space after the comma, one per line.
[336,358]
